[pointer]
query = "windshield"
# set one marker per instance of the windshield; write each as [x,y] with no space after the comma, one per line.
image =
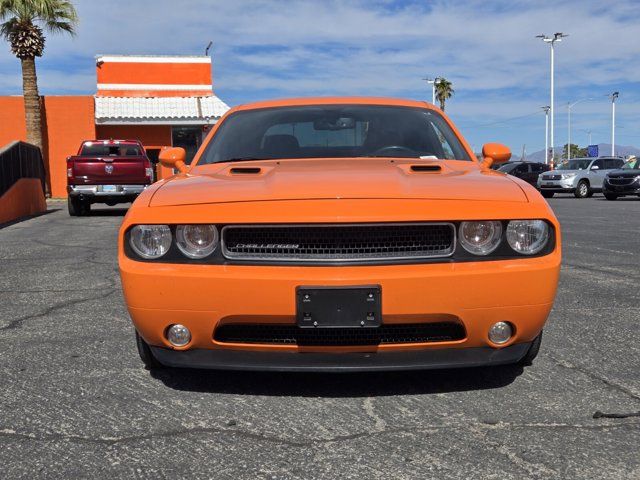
[632,165]
[577,164]
[507,167]
[333,131]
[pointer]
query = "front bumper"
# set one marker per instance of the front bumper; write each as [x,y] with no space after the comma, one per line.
[426,359]
[621,190]
[557,186]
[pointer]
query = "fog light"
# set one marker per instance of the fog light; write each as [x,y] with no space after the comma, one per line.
[178,335]
[500,332]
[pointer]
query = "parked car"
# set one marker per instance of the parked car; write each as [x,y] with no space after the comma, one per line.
[623,182]
[527,171]
[106,171]
[580,176]
[338,234]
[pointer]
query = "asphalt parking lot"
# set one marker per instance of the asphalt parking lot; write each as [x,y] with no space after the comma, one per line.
[75,401]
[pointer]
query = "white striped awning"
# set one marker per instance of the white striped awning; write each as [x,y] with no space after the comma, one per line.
[158,110]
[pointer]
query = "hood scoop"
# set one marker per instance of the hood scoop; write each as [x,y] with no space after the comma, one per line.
[245,170]
[426,168]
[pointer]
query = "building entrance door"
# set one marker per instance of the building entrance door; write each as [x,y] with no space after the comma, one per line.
[189,138]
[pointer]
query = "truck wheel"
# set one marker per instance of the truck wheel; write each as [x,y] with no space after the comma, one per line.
[582,190]
[85,208]
[547,194]
[532,353]
[73,205]
[610,196]
[145,354]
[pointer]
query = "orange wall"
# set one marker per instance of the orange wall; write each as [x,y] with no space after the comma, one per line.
[69,121]
[12,126]
[150,135]
[25,197]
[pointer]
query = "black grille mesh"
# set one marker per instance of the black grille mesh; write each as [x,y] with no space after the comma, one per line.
[621,180]
[338,242]
[552,177]
[293,335]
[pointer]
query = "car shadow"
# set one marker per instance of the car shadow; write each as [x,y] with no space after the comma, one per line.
[109,212]
[337,385]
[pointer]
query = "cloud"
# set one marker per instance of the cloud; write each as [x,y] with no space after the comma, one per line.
[278,48]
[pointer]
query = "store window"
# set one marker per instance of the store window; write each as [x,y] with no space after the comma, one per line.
[189,138]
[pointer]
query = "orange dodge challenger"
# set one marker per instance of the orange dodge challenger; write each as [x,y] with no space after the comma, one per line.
[338,234]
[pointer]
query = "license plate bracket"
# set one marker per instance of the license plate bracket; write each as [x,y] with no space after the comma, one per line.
[339,307]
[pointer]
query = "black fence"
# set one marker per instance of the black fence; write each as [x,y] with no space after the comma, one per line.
[20,160]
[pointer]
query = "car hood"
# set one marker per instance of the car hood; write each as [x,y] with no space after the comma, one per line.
[624,172]
[337,179]
[563,172]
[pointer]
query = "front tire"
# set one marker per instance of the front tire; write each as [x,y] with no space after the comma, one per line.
[145,354]
[582,190]
[532,353]
[547,194]
[610,196]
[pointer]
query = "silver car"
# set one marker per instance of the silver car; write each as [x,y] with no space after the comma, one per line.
[580,176]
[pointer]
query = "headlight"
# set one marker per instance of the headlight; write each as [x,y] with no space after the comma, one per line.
[150,241]
[480,238]
[197,241]
[567,176]
[527,236]
[638,178]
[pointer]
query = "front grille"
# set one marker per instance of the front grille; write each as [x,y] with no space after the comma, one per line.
[621,180]
[551,177]
[360,242]
[293,335]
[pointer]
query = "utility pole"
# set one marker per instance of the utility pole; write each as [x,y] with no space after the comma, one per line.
[546,134]
[614,96]
[557,37]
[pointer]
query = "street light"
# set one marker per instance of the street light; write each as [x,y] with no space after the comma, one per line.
[546,134]
[588,132]
[557,37]
[569,107]
[613,97]
[433,82]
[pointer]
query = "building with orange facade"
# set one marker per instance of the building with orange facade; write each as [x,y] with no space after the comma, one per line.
[160,100]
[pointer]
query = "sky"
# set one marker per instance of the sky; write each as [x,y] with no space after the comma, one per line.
[266,49]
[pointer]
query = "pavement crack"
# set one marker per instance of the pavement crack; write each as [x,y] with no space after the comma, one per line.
[18,322]
[379,423]
[610,383]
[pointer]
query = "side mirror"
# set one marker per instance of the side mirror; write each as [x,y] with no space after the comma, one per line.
[173,157]
[495,153]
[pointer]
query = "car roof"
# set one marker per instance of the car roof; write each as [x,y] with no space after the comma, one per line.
[290,102]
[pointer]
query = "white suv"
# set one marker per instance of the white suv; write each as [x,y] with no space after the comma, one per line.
[580,176]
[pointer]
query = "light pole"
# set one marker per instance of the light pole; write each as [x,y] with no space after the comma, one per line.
[614,96]
[546,134]
[557,37]
[569,107]
[433,82]
[588,132]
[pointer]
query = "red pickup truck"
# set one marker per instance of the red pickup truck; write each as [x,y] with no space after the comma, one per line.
[106,171]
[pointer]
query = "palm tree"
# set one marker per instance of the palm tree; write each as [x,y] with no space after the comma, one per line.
[21,28]
[444,91]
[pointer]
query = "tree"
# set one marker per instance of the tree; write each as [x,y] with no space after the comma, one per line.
[22,27]
[576,151]
[444,91]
